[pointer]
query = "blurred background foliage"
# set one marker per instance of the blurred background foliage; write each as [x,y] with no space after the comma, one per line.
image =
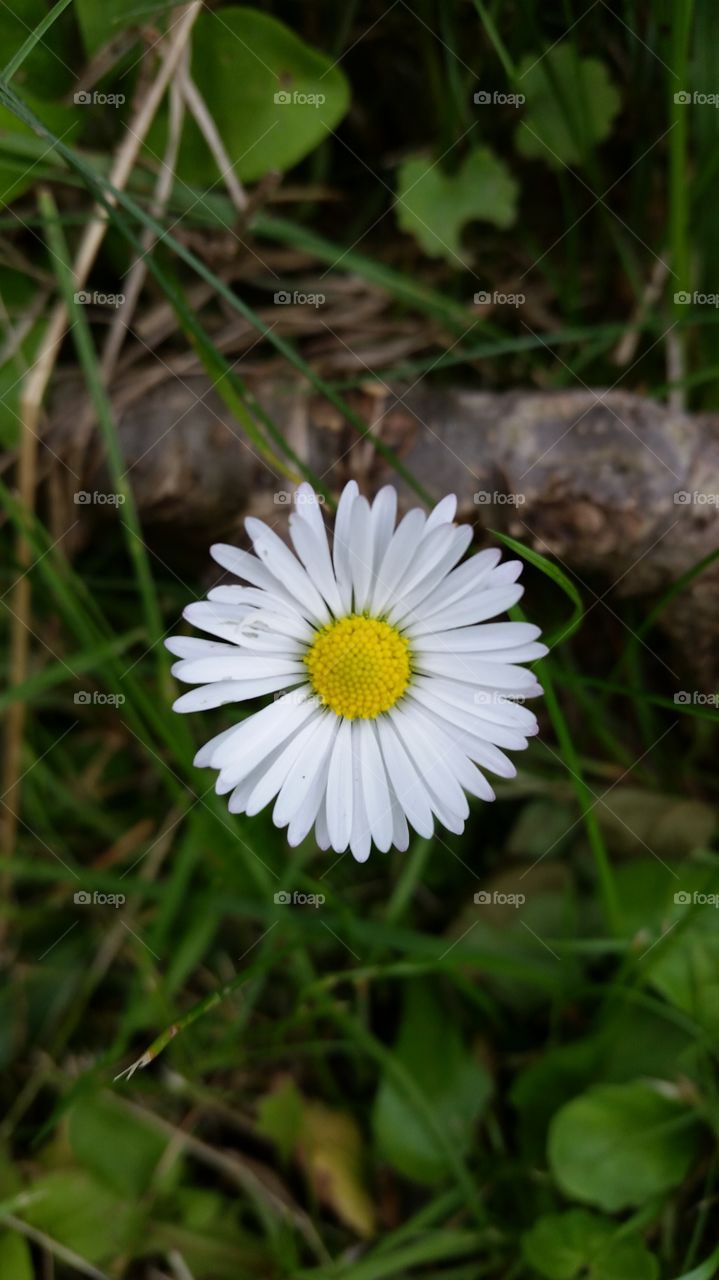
[384,1076]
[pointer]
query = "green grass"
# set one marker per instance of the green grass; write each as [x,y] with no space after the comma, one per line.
[369,1087]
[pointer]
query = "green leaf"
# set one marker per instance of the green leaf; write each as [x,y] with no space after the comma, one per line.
[456,1086]
[115,1146]
[271,96]
[102,22]
[706,1269]
[15,1258]
[279,1117]
[72,1209]
[563,1246]
[435,206]
[618,1145]
[571,105]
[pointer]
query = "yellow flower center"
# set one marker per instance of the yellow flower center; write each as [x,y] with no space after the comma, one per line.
[359,666]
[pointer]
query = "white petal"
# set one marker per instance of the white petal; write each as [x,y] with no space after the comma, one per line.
[384,514]
[203,758]
[442,735]
[218,695]
[273,778]
[224,620]
[486,604]
[360,837]
[407,608]
[466,579]
[397,558]
[488,704]
[400,830]
[272,551]
[340,546]
[314,553]
[507,572]
[316,792]
[463,666]
[240,666]
[194,646]
[322,835]
[375,786]
[271,718]
[270,731]
[340,789]
[488,635]
[476,747]
[246,566]
[443,513]
[415,731]
[498,734]
[360,553]
[407,785]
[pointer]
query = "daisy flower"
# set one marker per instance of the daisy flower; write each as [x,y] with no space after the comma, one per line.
[397,692]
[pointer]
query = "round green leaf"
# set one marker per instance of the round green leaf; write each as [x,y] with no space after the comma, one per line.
[273,98]
[562,1246]
[616,1146]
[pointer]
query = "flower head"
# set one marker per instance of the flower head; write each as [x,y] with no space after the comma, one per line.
[393,691]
